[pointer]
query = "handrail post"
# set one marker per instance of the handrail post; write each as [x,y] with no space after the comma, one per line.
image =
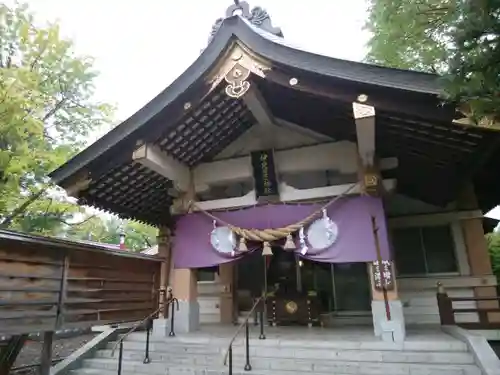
[149,326]
[246,323]
[174,302]
[248,366]
[445,306]
[120,358]
[262,336]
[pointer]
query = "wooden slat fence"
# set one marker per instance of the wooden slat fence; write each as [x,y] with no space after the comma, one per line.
[51,284]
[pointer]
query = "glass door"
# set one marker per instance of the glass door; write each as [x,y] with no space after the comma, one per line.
[340,287]
[352,291]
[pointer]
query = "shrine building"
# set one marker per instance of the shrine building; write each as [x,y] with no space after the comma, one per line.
[341,191]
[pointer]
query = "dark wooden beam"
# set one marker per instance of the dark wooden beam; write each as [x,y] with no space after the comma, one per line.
[423,106]
[422,140]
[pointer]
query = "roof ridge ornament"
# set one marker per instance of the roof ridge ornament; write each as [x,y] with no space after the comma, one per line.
[258,17]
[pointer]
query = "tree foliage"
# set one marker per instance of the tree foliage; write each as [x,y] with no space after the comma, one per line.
[493,240]
[456,38]
[47,111]
[138,236]
[45,114]
[474,63]
[411,34]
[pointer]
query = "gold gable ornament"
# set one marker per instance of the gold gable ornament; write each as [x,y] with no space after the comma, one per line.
[237,81]
[371,183]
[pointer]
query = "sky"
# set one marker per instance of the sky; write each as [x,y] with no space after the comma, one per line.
[495,214]
[141,46]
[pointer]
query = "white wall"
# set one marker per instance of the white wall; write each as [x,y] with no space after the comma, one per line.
[209,300]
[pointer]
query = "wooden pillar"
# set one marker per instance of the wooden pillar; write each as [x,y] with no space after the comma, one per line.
[226,278]
[477,251]
[46,358]
[164,253]
[387,309]
[185,286]
[185,281]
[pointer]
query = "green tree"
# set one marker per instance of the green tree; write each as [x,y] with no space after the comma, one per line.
[411,34]
[48,216]
[107,230]
[474,63]
[456,38]
[46,113]
[493,240]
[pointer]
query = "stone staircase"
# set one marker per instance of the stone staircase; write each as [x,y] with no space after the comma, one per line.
[294,354]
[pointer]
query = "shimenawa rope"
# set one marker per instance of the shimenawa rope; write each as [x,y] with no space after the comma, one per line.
[273,234]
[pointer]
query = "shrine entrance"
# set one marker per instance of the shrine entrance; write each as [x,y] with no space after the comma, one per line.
[341,287]
[337,289]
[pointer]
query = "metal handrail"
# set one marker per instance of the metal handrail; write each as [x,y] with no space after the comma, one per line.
[149,325]
[136,326]
[140,323]
[238,330]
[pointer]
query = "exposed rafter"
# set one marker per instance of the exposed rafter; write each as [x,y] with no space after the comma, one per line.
[320,138]
[77,184]
[265,120]
[286,135]
[153,158]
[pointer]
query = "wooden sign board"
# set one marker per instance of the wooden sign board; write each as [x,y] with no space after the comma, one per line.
[383,275]
[264,174]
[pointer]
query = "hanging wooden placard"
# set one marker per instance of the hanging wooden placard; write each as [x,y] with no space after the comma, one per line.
[383,275]
[264,174]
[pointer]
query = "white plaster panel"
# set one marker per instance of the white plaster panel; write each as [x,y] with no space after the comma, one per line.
[209,309]
[340,156]
[284,135]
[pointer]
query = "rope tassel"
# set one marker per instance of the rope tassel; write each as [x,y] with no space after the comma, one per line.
[289,244]
[243,244]
[266,250]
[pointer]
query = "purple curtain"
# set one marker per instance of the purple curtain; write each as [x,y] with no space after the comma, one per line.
[355,241]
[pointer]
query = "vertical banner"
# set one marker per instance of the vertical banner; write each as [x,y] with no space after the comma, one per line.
[264,174]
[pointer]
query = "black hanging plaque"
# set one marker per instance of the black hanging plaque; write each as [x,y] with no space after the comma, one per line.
[264,174]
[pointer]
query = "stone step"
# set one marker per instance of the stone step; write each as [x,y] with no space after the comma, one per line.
[192,371]
[206,356]
[295,366]
[137,341]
